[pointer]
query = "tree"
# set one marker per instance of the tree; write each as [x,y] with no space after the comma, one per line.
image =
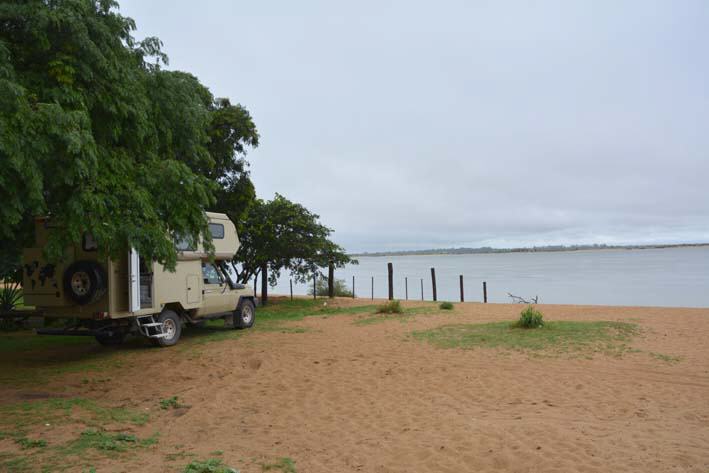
[95,134]
[282,235]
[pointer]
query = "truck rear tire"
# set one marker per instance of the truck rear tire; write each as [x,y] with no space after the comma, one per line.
[245,315]
[172,326]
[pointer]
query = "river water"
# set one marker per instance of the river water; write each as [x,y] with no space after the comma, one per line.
[673,277]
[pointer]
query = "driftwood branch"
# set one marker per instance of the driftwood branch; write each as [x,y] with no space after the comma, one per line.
[521,300]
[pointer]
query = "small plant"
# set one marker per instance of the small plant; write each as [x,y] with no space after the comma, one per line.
[446,306]
[170,402]
[530,318]
[391,307]
[10,293]
[213,465]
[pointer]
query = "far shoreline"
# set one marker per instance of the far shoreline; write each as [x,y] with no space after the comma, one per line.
[541,249]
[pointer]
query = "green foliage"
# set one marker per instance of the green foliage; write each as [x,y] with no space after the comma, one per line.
[340,288]
[170,402]
[391,307]
[553,337]
[530,318]
[212,465]
[285,465]
[94,133]
[285,235]
[446,306]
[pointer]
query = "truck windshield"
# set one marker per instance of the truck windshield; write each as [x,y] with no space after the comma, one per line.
[229,271]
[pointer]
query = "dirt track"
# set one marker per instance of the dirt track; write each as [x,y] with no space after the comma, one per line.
[343,397]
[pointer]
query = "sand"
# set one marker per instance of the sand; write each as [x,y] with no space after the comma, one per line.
[342,397]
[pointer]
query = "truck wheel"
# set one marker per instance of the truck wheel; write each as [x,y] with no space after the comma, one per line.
[112,339]
[245,315]
[172,326]
[84,282]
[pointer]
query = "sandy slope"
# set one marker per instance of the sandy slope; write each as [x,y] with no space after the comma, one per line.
[342,397]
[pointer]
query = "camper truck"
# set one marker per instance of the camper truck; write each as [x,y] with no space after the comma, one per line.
[109,298]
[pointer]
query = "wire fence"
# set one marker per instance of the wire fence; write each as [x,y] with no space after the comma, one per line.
[363,287]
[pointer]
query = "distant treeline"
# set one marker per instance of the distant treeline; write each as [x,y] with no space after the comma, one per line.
[533,249]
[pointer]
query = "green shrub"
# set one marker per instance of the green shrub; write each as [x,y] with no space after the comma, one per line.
[530,318]
[340,288]
[446,306]
[391,307]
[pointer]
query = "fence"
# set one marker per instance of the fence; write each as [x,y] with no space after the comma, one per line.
[390,279]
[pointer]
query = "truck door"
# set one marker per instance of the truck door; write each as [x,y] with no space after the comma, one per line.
[134,280]
[217,296]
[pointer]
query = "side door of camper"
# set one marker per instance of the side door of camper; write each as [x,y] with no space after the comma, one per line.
[217,295]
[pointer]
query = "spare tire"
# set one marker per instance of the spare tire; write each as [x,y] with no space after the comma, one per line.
[85,282]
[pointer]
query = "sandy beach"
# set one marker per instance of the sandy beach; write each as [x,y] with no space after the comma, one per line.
[337,395]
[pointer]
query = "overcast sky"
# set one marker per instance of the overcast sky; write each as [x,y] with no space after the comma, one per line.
[411,125]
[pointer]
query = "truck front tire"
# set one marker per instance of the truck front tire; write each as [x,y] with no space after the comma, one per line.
[245,314]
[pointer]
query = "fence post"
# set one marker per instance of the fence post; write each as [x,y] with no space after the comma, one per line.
[372,287]
[353,288]
[406,287]
[390,270]
[421,288]
[291,289]
[485,292]
[331,280]
[433,284]
[462,296]
[315,287]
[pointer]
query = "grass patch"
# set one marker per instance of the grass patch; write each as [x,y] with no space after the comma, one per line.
[212,465]
[446,306]
[285,464]
[273,317]
[391,307]
[27,444]
[107,442]
[555,337]
[17,419]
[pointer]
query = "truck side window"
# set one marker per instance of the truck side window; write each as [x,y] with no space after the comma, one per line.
[217,230]
[210,274]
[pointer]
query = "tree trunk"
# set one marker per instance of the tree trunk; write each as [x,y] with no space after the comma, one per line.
[264,283]
[331,280]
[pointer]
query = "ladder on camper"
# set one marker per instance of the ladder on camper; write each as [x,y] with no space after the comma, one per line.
[149,327]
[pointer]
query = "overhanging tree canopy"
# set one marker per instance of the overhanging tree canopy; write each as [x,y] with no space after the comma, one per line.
[95,134]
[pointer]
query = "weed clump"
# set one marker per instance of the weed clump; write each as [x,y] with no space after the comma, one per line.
[170,402]
[446,306]
[213,465]
[391,307]
[530,318]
